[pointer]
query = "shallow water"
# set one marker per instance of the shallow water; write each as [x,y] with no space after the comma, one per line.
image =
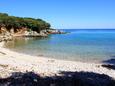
[78,45]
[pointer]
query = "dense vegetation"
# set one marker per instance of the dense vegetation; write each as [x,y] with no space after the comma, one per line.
[12,22]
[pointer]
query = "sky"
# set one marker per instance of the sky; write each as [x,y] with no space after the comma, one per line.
[65,14]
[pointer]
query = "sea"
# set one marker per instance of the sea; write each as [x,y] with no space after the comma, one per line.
[87,45]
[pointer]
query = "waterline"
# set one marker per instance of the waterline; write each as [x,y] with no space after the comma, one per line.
[79,45]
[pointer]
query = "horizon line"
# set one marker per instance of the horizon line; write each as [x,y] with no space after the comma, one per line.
[87,28]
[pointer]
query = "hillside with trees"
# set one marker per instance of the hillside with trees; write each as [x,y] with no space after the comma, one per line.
[17,23]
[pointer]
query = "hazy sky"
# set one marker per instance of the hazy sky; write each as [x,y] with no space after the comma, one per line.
[65,13]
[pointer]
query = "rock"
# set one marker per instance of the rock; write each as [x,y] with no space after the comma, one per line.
[34,34]
[6,36]
[54,31]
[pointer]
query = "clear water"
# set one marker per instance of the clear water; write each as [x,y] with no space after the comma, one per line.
[78,45]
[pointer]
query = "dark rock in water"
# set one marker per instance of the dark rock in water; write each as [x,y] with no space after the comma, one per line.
[109,66]
[110,61]
[66,79]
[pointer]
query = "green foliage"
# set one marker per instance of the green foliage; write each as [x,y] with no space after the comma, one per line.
[20,22]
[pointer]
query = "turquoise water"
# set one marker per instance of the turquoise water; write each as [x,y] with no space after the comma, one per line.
[78,45]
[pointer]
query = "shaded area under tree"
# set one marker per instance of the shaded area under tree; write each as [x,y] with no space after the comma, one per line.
[66,79]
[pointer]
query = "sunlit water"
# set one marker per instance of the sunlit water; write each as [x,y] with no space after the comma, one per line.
[78,45]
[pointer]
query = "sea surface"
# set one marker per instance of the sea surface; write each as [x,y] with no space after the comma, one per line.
[77,45]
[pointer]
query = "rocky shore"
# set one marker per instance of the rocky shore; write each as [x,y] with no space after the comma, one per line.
[6,37]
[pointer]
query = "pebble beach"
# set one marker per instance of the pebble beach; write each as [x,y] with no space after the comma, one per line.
[11,61]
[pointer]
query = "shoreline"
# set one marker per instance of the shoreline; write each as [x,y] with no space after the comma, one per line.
[11,61]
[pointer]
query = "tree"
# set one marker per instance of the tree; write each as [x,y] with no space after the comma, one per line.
[20,22]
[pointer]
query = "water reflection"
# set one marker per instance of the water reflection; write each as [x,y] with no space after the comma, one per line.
[22,41]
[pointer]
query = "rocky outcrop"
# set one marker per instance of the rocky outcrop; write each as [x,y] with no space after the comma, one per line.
[43,33]
[34,34]
[5,35]
[54,31]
